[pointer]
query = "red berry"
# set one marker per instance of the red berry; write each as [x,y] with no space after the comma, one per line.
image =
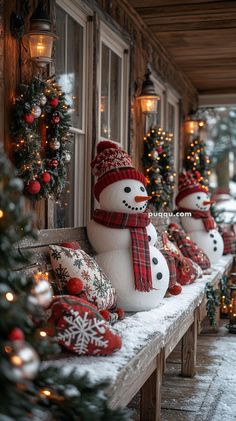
[105,314]
[46,177]
[74,286]
[54,102]
[34,187]
[16,334]
[175,290]
[120,313]
[29,118]
[74,245]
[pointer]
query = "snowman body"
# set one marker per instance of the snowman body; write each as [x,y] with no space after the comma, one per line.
[114,252]
[211,241]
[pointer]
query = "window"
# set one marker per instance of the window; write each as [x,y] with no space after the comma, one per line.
[71,68]
[113,87]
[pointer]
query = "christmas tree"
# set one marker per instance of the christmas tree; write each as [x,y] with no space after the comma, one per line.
[30,391]
[158,163]
[198,160]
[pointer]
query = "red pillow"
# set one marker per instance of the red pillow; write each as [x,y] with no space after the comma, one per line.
[74,245]
[186,269]
[80,328]
[188,247]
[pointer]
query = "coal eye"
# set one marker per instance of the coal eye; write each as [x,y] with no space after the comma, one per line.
[127,189]
[142,188]
[198,197]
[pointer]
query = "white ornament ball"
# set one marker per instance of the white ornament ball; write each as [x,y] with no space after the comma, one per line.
[54,144]
[41,294]
[43,99]
[154,154]
[24,361]
[67,157]
[36,111]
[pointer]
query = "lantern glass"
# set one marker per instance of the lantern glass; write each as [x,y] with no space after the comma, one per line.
[40,46]
[190,126]
[149,103]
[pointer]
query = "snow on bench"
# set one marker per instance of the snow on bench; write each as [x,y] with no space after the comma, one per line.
[144,336]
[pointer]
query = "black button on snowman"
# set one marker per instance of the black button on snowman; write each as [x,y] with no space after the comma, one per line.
[194,198]
[121,232]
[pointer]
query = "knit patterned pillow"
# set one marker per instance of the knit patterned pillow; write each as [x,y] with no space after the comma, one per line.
[68,263]
[188,247]
[80,328]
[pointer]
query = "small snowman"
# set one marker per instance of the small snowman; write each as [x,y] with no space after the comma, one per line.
[121,232]
[194,198]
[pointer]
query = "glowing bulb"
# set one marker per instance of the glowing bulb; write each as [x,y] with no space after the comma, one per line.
[1,213]
[42,333]
[46,392]
[9,296]
[16,360]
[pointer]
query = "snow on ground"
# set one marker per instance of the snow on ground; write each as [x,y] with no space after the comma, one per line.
[138,329]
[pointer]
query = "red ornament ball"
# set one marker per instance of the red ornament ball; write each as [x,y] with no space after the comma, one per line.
[29,118]
[160,149]
[46,177]
[53,163]
[54,102]
[120,313]
[105,314]
[34,187]
[16,334]
[74,286]
[175,289]
[74,245]
[55,118]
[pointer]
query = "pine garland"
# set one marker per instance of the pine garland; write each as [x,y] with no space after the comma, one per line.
[198,160]
[40,132]
[213,301]
[158,163]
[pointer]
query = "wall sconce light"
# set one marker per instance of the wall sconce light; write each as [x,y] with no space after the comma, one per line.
[190,126]
[40,37]
[148,97]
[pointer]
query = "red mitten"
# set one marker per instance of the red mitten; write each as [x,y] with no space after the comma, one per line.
[229,239]
[188,247]
[80,328]
[174,287]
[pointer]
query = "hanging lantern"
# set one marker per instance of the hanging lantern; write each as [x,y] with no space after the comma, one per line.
[40,37]
[148,97]
[190,126]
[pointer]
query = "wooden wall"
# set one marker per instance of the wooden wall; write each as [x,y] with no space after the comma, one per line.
[144,49]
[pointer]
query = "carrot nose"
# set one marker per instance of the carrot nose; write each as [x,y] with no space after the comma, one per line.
[142,198]
[208,202]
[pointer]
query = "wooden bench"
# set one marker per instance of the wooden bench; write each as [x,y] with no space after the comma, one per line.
[148,337]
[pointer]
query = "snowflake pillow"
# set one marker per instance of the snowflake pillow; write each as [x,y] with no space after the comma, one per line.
[80,328]
[68,263]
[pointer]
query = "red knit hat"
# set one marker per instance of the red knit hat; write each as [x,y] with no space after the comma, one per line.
[188,184]
[112,164]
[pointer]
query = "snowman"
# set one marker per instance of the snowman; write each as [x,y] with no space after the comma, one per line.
[121,232]
[194,198]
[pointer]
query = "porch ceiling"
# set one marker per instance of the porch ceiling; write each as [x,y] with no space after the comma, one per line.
[200,35]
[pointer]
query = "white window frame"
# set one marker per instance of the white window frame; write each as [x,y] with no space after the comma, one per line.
[173,98]
[121,48]
[80,12]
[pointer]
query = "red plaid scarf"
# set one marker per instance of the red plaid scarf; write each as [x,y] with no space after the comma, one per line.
[206,217]
[136,222]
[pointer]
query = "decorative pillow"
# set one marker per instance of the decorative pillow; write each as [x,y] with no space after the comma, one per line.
[188,247]
[187,270]
[68,263]
[80,328]
[229,238]
[174,287]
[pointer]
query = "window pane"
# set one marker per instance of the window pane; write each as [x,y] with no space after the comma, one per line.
[115,96]
[69,63]
[104,92]
[64,208]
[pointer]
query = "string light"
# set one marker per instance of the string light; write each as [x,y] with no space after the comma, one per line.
[9,296]
[1,213]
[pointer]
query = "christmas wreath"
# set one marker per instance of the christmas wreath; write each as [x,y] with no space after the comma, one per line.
[40,130]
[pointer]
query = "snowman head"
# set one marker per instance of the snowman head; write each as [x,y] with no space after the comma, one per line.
[196,201]
[124,196]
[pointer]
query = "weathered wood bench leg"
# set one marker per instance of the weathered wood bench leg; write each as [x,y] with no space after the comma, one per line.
[150,405]
[189,349]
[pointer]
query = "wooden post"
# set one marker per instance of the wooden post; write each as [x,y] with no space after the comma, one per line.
[189,349]
[150,404]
